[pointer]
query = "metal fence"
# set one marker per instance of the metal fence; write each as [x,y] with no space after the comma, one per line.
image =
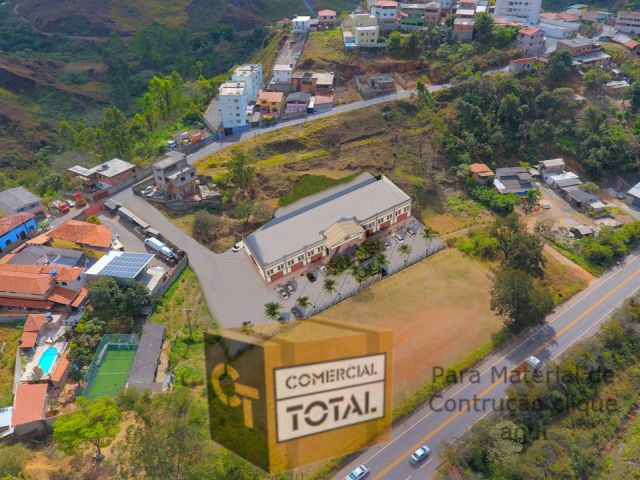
[128,341]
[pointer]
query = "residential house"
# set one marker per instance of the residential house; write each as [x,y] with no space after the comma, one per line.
[564,181]
[375,85]
[585,201]
[94,240]
[585,51]
[174,177]
[108,177]
[559,25]
[520,65]
[251,75]
[463,29]
[412,15]
[625,41]
[628,21]
[360,30]
[531,41]
[271,103]
[20,200]
[327,19]
[550,167]
[321,102]
[312,82]
[281,79]
[15,229]
[44,255]
[513,180]
[329,224]
[432,13]
[580,231]
[233,102]
[527,11]
[633,196]
[481,173]
[386,11]
[41,288]
[301,24]
[616,87]
[297,103]
[29,408]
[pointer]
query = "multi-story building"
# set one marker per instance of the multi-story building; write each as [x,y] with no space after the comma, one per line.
[108,177]
[330,226]
[432,13]
[301,25]
[94,240]
[233,102]
[628,22]
[531,41]
[20,200]
[585,51]
[251,75]
[528,11]
[271,103]
[386,11]
[412,15]
[174,177]
[313,82]
[327,19]
[360,30]
[16,228]
[463,29]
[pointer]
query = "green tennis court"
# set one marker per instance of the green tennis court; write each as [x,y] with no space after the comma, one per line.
[112,373]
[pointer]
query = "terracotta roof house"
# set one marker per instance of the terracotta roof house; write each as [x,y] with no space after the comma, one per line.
[271,103]
[29,404]
[327,18]
[93,240]
[481,173]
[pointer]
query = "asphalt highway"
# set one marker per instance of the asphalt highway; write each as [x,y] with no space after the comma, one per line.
[464,403]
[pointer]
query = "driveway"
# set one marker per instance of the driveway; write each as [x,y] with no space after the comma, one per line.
[232,287]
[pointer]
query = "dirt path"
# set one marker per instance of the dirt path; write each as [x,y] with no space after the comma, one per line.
[581,272]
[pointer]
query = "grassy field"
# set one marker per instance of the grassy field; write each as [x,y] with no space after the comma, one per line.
[323,49]
[9,335]
[310,184]
[437,328]
[182,303]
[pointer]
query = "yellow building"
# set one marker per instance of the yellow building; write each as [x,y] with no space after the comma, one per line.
[94,240]
[311,392]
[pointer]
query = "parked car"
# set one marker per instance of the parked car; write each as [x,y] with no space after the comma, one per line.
[387,244]
[411,231]
[397,237]
[71,203]
[419,455]
[157,246]
[147,190]
[283,293]
[358,473]
[290,288]
[295,311]
[237,247]
[535,364]
[311,276]
[171,144]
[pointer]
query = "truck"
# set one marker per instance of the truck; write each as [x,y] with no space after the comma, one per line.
[156,245]
[61,207]
[534,364]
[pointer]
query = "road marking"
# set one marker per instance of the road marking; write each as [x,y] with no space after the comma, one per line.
[566,308]
[491,387]
[426,463]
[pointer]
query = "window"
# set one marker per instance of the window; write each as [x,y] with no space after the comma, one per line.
[300,257]
[193,174]
[7,243]
[64,284]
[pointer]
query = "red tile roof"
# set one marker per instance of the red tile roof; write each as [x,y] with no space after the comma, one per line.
[82,232]
[79,300]
[28,339]
[385,3]
[323,97]
[29,404]
[61,369]
[63,296]
[66,274]
[271,97]
[34,322]
[529,31]
[21,303]
[480,169]
[326,13]
[25,283]
[14,221]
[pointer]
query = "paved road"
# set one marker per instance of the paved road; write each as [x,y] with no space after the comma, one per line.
[444,422]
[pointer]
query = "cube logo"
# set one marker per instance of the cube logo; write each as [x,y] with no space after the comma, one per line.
[324,396]
[307,393]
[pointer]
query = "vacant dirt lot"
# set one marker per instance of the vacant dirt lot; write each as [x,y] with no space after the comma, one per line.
[438,309]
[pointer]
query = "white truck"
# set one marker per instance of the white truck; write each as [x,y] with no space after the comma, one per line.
[156,245]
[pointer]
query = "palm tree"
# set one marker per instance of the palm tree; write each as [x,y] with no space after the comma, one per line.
[303,302]
[405,251]
[272,310]
[247,327]
[428,235]
[329,286]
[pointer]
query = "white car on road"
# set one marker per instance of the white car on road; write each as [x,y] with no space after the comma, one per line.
[419,455]
[357,474]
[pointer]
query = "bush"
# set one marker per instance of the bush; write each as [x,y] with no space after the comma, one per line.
[494,200]
[339,265]
[479,244]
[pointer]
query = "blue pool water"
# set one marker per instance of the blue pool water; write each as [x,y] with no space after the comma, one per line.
[47,358]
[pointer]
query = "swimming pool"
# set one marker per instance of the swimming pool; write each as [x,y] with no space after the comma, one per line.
[47,358]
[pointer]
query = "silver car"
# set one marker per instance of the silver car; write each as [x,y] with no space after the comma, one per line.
[358,473]
[419,455]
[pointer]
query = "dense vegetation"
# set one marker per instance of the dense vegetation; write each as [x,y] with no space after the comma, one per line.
[572,416]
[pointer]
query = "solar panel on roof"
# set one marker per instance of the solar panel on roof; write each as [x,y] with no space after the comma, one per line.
[127,265]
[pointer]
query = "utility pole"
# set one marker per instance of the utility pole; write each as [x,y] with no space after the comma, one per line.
[188,311]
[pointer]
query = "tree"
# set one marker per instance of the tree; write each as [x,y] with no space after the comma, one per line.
[595,79]
[483,28]
[520,250]
[329,286]
[96,423]
[521,300]
[116,304]
[205,226]
[272,310]
[240,173]
[405,251]
[559,66]
[247,327]
[13,458]
[303,302]
[505,443]
[590,187]
[244,210]
[428,235]
[394,42]
[634,96]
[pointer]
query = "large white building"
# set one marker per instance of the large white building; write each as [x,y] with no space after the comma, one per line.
[251,75]
[528,11]
[628,22]
[233,103]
